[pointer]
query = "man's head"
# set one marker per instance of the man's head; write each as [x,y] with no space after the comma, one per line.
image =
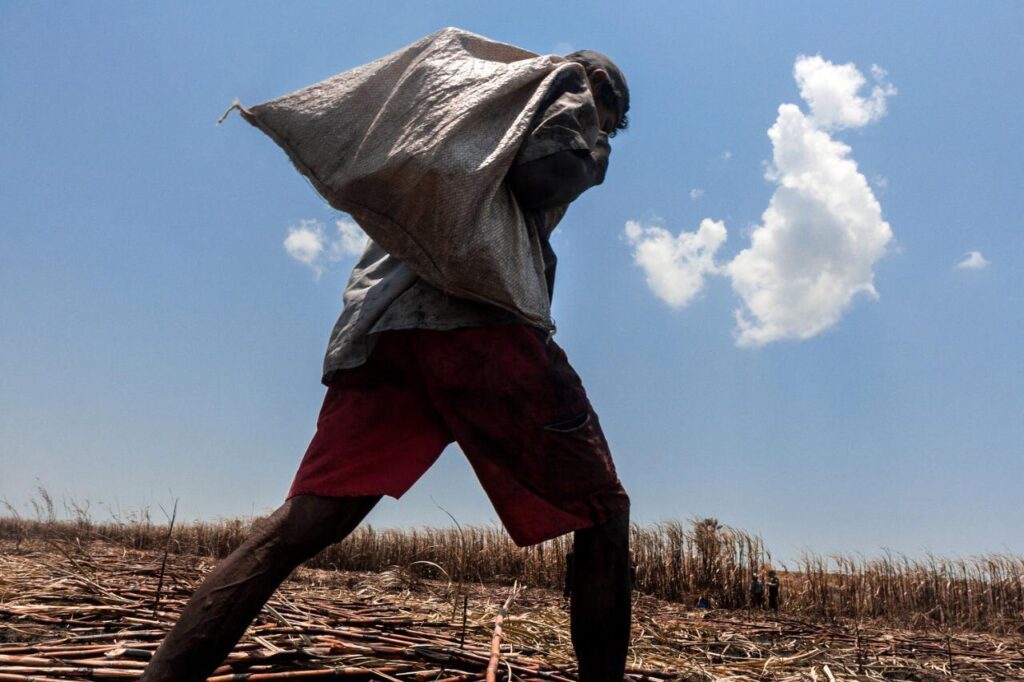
[611,94]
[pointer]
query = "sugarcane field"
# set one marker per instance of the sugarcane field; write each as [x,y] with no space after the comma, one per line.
[452,341]
[81,600]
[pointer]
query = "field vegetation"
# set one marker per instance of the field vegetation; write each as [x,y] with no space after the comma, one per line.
[674,561]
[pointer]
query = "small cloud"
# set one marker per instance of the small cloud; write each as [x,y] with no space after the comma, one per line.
[305,243]
[696,193]
[351,239]
[973,260]
[309,243]
[563,48]
[880,181]
[676,265]
[726,155]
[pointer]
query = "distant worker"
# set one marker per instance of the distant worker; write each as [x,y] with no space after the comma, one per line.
[773,591]
[756,592]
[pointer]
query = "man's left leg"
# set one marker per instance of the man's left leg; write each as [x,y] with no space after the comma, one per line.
[600,607]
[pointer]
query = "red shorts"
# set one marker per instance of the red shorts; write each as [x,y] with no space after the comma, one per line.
[508,397]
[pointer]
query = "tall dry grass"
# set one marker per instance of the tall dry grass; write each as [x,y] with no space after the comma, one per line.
[674,561]
[981,593]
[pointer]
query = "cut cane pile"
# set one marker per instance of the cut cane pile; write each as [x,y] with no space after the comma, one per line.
[98,611]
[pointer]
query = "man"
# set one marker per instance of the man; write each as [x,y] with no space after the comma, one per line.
[773,591]
[756,592]
[409,370]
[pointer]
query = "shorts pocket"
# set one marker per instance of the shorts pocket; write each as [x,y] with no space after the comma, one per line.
[568,424]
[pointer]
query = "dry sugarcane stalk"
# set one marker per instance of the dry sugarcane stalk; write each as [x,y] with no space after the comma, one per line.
[492,665]
[163,562]
[306,674]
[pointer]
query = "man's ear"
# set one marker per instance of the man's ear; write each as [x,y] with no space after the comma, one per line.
[598,77]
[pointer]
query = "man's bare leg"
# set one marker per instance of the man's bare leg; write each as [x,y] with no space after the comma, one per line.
[217,615]
[600,609]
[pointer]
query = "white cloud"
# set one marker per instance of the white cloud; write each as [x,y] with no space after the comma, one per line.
[973,260]
[351,239]
[831,92]
[823,231]
[880,181]
[308,243]
[726,155]
[819,238]
[305,242]
[696,193]
[676,266]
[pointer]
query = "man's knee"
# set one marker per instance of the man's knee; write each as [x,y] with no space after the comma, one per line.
[607,541]
[306,524]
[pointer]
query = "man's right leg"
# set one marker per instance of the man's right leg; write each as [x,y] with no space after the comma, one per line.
[236,590]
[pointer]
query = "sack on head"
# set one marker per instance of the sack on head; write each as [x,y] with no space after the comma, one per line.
[416,145]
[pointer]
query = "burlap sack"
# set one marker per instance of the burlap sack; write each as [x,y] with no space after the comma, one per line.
[416,146]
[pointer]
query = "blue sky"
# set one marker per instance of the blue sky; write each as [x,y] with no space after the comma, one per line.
[158,342]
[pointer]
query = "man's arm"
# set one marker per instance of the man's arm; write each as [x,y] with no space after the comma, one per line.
[559,178]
